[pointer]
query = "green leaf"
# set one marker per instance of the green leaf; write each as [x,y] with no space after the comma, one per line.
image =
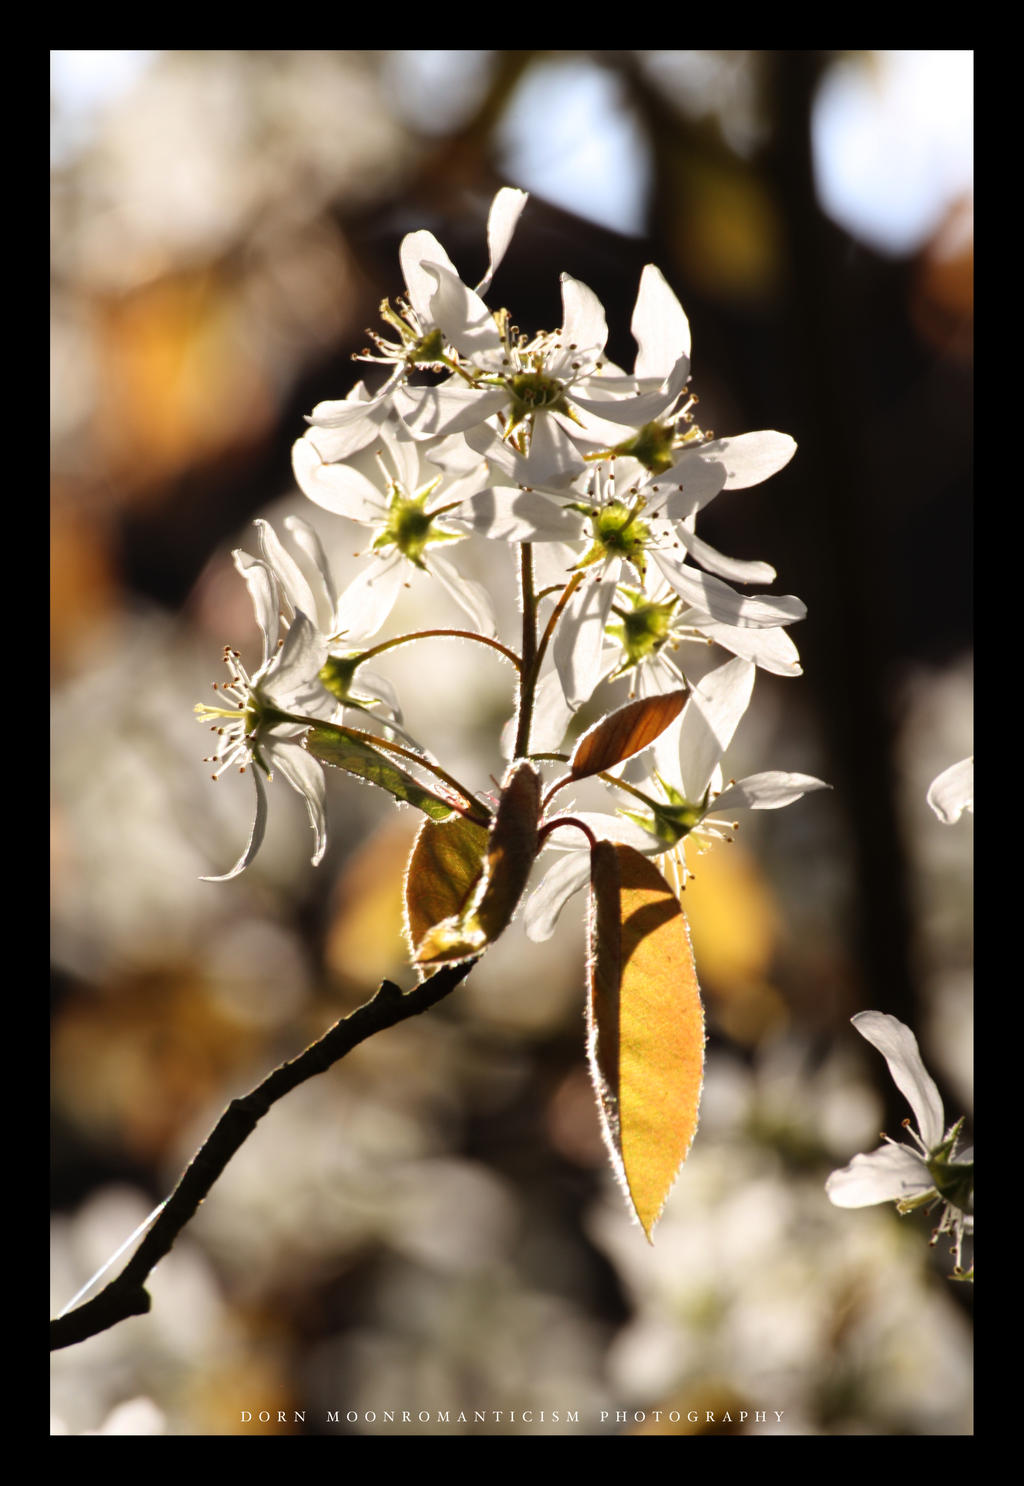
[625,731]
[337,747]
[510,854]
[645,1025]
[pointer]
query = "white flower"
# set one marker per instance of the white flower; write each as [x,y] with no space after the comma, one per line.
[282,585]
[258,727]
[342,427]
[406,519]
[645,628]
[349,424]
[953,791]
[437,301]
[929,1171]
[502,372]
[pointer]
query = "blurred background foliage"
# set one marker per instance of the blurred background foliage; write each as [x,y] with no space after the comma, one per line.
[432,1224]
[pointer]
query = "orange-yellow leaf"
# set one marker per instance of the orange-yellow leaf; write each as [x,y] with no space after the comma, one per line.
[624,732]
[605,973]
[647,1042]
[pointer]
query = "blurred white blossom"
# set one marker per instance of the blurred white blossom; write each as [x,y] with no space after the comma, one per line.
[952,792]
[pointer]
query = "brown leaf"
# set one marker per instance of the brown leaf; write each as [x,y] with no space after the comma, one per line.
[510,853]
[624,732]
[511,850]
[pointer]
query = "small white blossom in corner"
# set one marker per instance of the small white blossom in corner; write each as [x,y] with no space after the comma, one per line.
[931,1170]
[953,791]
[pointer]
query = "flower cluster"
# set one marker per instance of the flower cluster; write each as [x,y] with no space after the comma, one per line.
[594,476]
[590,478]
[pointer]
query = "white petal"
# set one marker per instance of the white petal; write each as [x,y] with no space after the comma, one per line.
[339,430]
[636,410]
[553,562]
[553,460]
[470,596]
[368,600]
[660,328]
[359,404]
[320,578]
[579,638]
[262,586]
[618,828]
[429,411]
[953,791]
[259,826]
[551,715]
[335,487]
[305,776]
[336,444]
[749,458]
[370,686]
[419,249]
[455,454]
[501,224]
[462,315]
[590,432]
[297,664]
[559,883]
[289,575]
[584,326]
[898,1047]
[771,649]
[404,454]
[508,515]
[891,1173]
[686,488]
[708,723]
[759,611]
[769,791]
[732,568]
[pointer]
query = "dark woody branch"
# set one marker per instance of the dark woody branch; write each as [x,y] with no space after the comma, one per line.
[126,1295]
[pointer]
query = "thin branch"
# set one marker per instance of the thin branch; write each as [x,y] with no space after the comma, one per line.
[459,634]
[528,673]
[556,614]
[126,1295]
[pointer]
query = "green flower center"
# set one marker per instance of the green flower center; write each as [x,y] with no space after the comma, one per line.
[617,532]
[429,349]
[643,629]
[409,527]
[533,392]
[670,820]
[954,1181]
[652,446]
[673,822]
[417,350]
